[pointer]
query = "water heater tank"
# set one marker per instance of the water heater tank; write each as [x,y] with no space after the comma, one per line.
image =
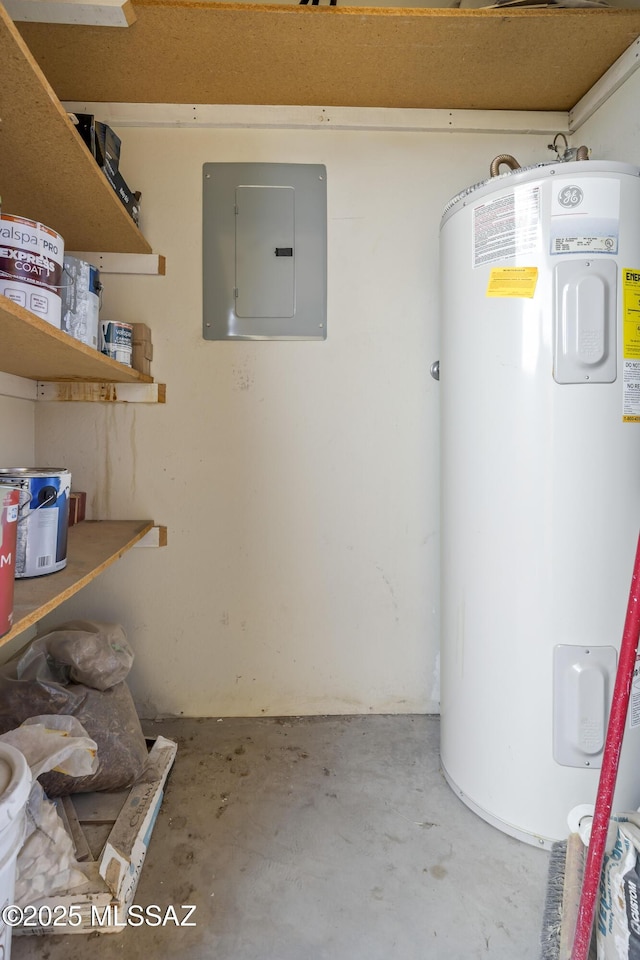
[540,392]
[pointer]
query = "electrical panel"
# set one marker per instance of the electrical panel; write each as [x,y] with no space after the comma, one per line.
[264,251]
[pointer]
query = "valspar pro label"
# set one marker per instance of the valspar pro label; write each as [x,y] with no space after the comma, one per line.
[31,258]
[43,518]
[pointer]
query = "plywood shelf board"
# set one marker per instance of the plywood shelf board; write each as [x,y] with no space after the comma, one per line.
[93,546]
[48,173]
[228,53]
[30,347]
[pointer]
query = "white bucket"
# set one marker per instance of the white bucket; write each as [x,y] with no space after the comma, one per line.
[15,785]
[31,257]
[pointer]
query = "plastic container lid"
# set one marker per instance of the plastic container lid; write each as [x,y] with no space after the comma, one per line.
[15,784]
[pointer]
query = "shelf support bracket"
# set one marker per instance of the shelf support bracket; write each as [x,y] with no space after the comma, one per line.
[18,387]
[605,87]
[156,537]
[148,264]
[81,391]
[94,13]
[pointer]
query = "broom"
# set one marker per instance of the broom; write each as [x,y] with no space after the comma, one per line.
[572,888]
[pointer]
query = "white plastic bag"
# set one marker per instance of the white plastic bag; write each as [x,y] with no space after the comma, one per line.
[52,742]
[46,861]
[617,918]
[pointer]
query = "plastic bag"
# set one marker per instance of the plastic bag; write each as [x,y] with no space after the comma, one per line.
[110,718]
[617,920]
[46,861]
[95,654]
[54,743]
[39,682]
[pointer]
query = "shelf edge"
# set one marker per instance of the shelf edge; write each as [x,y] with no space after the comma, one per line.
[37,613]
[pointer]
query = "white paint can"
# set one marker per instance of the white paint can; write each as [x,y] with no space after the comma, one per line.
[80,292]
[116,340]
[31,258]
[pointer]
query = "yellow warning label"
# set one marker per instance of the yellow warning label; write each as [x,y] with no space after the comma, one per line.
[512,282]
[631,313]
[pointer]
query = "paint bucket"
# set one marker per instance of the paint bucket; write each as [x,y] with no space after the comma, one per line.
[8,530]
[43,518]
[31,257]
[15,786]
[81,300]
[116,340]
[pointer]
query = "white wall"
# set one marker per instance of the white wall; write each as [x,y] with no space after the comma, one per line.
[613,132]
[299,481]
[17,432]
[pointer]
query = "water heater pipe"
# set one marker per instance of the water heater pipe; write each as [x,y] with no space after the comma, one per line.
[497,162]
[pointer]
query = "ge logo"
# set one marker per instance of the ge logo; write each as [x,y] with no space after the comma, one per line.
[570,197]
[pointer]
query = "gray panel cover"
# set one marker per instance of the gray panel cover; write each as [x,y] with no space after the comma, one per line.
[264,251]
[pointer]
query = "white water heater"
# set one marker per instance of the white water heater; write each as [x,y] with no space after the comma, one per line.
[540,393]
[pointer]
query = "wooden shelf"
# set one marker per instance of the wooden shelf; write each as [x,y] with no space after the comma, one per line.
[48,174]
[186,51]
[93,546]
[30,347]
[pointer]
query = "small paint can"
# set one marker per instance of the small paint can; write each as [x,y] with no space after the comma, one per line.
[31,257]
[8,529]
[116,340]
[43,518]
[81,300]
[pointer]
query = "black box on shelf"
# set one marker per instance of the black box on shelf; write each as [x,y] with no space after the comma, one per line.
[129,198]
[86,128]
[101,140]
[105,148]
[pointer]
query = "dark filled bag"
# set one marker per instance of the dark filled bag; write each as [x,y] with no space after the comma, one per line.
[78,670]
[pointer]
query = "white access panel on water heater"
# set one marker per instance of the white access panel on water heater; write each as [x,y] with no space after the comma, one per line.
[540,486]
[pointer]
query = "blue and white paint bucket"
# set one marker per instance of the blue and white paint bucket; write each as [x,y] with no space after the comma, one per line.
[43,518]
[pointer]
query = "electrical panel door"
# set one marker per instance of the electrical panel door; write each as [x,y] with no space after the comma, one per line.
[264,251]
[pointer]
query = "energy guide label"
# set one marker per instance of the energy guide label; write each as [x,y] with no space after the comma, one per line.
[631,344]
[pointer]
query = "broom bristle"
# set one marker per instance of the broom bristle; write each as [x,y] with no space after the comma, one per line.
[564,883]
[552,914]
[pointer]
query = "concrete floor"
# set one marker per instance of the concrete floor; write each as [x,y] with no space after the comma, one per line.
[321,839]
